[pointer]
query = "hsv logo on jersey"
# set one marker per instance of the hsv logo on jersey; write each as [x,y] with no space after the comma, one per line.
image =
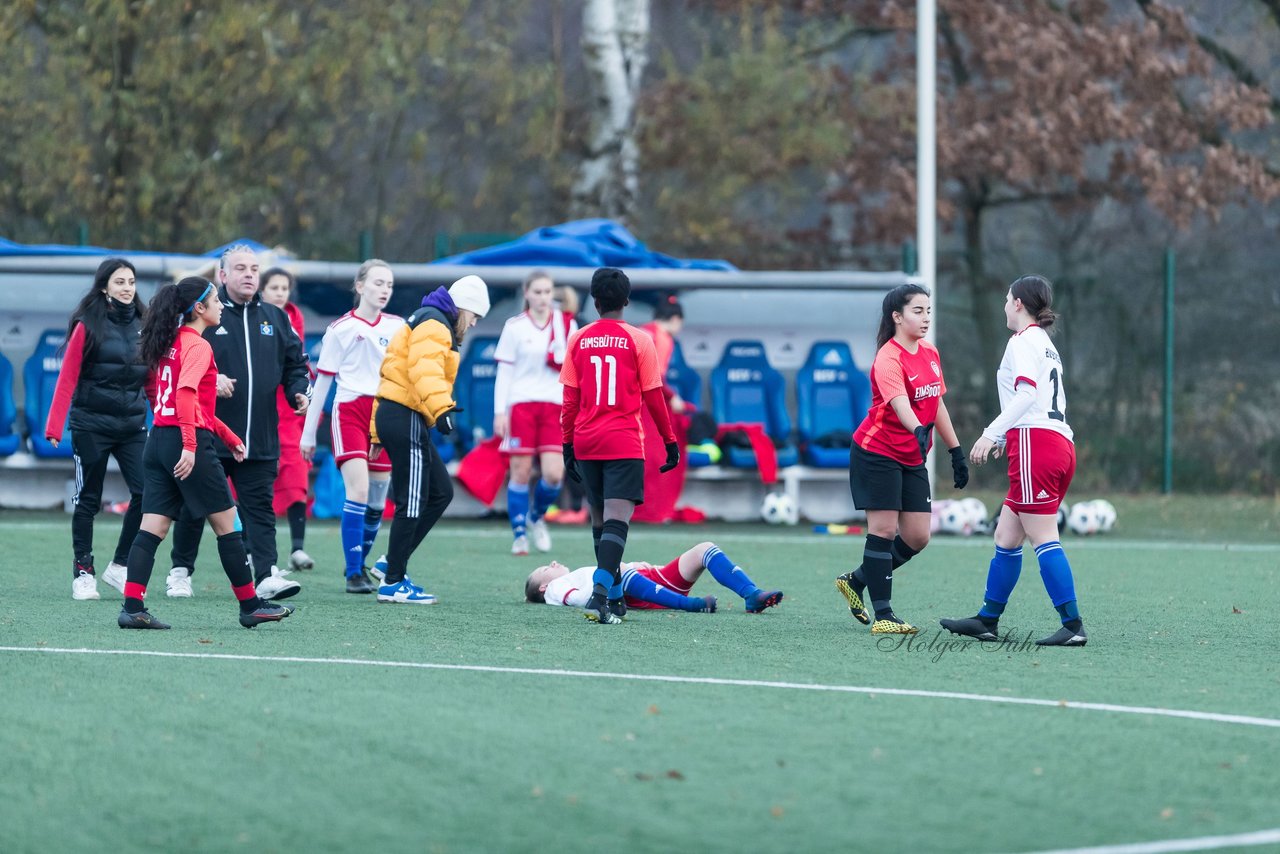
[267,329]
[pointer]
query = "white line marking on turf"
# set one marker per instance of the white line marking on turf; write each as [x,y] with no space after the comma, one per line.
[689,535]
[1201,843]
[1215,717]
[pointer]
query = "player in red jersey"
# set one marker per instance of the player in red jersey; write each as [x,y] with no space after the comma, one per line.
[887,473]
[610,370]
[180,465]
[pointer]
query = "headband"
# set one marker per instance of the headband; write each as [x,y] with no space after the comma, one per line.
[203,296]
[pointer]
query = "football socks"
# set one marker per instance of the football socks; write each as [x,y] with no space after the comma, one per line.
[518,507]
[901,554]
[1055,571]
[639,587]
[1002,576]
[297,513]
[613,541]
[595,542]
[544,495]
[142,557]
[877,568]
[372,524]
[352,527]
[726,572]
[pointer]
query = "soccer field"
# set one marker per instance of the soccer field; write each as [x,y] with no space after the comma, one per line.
[487,724]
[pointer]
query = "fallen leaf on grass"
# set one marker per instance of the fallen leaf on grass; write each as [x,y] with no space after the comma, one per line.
[776,812]
[673,774]
[640,775]
[204,640]
[1166,813]
[653,710]
[1236,610]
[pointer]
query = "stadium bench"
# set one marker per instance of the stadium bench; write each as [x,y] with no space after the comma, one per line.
[684,379]
[745,388]
[9,440]
[832,397]
[40,375]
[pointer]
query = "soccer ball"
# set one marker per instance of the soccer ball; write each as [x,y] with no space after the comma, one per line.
[1106,514]
[1063,509]
[978,517]
[955,518]
[778,508]
[1083,518]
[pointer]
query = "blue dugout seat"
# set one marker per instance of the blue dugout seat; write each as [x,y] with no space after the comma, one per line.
[832,397]
[9,440]
[745,388]
[40,375]
[477,375]
[684,379]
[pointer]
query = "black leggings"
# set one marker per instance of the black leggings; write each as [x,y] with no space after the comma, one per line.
[91,452]
[420,483]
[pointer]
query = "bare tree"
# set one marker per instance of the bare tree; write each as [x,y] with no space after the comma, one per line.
[615,41]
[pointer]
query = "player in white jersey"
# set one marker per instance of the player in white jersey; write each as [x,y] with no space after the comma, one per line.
[647,586]
[1032,429]
[351,355]
[527,397]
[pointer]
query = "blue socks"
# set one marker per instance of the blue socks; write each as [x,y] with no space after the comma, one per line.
[353,536]
[544,495]
[727,573]
[1002,575]
[613,541]
[518,507]
[639,587]
[1055,571]
[372,523]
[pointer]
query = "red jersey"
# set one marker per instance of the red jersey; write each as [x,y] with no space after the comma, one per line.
[896,372]
[612,364]
[189,365]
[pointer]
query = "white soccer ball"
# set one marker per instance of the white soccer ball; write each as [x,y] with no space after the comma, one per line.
[954,518]
[977,511]
[1106,514]
[1083,518]
[778,508]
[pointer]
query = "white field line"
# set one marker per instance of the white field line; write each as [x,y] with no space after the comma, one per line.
[1214,717]
[1200,843]
[691,535]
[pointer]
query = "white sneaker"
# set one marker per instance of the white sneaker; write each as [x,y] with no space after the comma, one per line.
[520,547]
[116,574]
[85,586]
[276,586]
[178,584]
[379,568]
[540,535]
[301,560]
[405,593]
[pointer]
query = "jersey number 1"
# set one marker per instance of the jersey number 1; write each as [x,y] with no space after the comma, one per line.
[611,364]
[1055,413]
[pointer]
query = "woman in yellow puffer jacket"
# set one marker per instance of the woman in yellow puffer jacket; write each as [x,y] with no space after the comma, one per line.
[416,394]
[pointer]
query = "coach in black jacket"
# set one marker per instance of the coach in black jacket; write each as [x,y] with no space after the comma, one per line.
[257,352]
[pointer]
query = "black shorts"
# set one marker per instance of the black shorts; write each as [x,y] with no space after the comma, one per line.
[882,483]
[203,492]
[605,479]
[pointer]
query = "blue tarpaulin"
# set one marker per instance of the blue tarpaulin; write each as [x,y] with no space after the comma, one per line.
[582,243]
[8,247]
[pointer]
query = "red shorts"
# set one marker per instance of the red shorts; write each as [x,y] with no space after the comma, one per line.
[1041,465]
[350,424]
[668,576]
[533,428]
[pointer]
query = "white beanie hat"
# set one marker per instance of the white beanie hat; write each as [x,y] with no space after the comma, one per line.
[471,293]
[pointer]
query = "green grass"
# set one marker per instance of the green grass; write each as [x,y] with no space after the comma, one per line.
[206,754]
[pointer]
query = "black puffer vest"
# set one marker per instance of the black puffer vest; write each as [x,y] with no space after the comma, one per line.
[109,397]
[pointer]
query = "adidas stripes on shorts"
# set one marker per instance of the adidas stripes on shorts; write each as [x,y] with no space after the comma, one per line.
[1041,465]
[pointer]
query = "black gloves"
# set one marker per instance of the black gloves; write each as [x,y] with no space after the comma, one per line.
[673,458]
[571,464]
[922,437]
[959,467]
[446,422]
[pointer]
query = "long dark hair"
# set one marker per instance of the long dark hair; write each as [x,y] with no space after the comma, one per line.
[92,309]
[172,306]
[1036,293]
[895,301]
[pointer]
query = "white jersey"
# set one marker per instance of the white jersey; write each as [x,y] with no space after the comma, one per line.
[522,349]
[1030,361]
[572,589]
[353,349]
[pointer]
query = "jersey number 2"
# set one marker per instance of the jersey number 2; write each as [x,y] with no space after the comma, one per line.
[607,365]
[1054,412]
[165,391]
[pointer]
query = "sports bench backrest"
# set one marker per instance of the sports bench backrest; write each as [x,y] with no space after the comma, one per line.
[8,409]
[40,375]
[477,374]
[746,388]
[684,379]
[831,393]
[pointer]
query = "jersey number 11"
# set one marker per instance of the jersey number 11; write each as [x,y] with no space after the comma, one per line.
[607,365]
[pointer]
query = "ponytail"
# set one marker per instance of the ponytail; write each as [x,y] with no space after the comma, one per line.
[895,301]
[172,306]
[1036,295]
